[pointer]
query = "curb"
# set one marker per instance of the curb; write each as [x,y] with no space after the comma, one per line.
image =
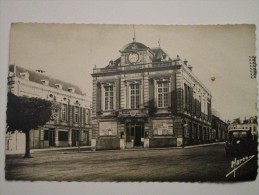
[129,149]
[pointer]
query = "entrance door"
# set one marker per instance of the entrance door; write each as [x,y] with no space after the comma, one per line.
[135,131]
[138,136]
[75,137]
[51,137]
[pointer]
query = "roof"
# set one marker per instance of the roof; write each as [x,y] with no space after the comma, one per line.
[38,77]
[158,54]
[134,46]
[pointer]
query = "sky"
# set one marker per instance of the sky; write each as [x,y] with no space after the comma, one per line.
[70,51]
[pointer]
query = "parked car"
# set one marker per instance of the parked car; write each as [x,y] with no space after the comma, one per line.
[240,142]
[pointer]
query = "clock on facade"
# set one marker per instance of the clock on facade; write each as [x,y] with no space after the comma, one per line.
[133,57]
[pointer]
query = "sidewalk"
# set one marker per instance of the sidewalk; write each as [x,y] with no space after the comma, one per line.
[49,149]
[88,148]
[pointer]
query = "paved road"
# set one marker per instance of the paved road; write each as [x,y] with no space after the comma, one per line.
[193,164]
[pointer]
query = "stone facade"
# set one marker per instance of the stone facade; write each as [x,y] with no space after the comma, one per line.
[70,125]
[220,129]
[146,99]
[250,123]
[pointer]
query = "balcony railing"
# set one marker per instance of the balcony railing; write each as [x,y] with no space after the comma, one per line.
[135,67]
[133,112]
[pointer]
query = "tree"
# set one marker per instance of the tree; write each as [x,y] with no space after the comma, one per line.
[25,114]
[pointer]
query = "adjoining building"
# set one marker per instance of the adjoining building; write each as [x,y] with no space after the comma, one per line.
[220,129]
[250,123]
[70,125]
[147,99]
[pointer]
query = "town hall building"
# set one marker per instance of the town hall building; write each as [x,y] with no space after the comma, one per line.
[146,99]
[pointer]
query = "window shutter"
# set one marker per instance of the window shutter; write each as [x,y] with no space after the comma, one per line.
[68,113]
[84,122]
[151,97]
[191,100]
[117,98]
[60,113]
[193,103]
[173,97]
[98,98]
[79,115]
[73,114]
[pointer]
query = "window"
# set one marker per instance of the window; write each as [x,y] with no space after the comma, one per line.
[134,96]
[46,135]
[187,97]
[64,112]
[200,103]
[204,107]
[87,116]
[108,97]
[162,94]
[76,114]
[81,115]
[209,109]
[194,102]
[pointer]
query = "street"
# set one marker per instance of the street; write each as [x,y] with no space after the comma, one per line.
[175,164]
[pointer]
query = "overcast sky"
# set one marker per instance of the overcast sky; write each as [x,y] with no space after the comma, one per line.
[69,52]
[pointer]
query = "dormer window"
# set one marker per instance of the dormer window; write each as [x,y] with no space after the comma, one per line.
[164,56]
[58,86]
[45,82]
[71,89]
[25,75]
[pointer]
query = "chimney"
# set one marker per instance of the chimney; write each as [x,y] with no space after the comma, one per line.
[58,86]
[25,75]
[185,62]
[190,67]
[71,89]
[45,82]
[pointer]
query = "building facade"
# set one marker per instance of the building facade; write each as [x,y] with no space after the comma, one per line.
[70,125]
[250,123]
[146,99]
[220,129]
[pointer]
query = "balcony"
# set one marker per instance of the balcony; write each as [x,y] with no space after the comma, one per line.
[142,112]
[135,67]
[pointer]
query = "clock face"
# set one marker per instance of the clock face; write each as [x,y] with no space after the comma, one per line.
[133,57]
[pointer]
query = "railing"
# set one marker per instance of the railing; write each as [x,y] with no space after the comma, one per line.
[133,112]
[137,66]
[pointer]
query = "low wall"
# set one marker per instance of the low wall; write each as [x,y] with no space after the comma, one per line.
[162,142]
[105,143]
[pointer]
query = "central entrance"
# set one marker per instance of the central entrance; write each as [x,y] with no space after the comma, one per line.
[134,134]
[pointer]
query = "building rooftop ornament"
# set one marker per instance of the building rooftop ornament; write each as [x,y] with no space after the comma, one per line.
[134,36]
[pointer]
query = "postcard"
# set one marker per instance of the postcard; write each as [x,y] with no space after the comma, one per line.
[131,103]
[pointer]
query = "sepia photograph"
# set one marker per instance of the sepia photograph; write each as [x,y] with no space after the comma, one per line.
[131,103]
